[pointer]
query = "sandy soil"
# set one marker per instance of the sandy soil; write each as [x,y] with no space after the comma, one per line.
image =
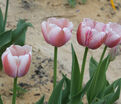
[39,79]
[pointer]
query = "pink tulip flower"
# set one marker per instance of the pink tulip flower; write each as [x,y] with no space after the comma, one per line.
[57,31]
[91,34]
[16,60]
[113,34]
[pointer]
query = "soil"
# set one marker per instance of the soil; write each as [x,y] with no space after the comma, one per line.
[38,81]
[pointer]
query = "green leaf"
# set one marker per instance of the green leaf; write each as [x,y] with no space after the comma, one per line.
[92,66]
[112,87]
[99,102]
[56,96]
[20,91]
[5,38]
[85,89]
[18,35]
[75,98]
[72,3]
[41,101]
[75,75]
[66,91]
[84,1]
[98,82]
[1,21]
[1,102]
[112,92]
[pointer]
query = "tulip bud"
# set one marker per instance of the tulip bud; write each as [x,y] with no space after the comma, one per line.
[57,31]
[16,60]
[115,51]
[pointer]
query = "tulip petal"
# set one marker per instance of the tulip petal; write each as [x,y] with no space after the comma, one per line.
[100,27]
[70,26]
[44,30]
[10,64]
[86,36]
[67,33]
[114,27]
[17,50]
[97,40]
[88,22]
[24,65]
[112,40]
[60,22]
[55,36]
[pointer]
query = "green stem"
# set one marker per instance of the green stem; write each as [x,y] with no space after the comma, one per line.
[83,65]
[6,13]
[93,90]
[101,58]
[14,91]
[55,66]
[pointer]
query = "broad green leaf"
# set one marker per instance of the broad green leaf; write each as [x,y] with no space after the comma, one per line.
[5,38]
[99,102]
[98,82]
[66,91]
[72,3]
[112,92]
[41,101]
[75,75]
[1,21]
[18,35]
[56,96]
[75,98]
[1,102]
[112,87]
[85,89]
[92,66]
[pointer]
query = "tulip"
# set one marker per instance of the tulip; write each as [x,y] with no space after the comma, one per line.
[16,60]
[91,34]
[113,31]
[57,31]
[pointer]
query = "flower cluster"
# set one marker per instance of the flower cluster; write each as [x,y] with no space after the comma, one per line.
[90,33]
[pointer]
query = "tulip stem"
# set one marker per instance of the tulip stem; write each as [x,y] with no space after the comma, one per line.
[83,65]
[55,66]
[103,53]
[14,91]
[6,13]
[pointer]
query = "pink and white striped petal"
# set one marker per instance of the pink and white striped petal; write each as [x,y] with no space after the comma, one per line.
[10,64]
[97,39]
[24,64]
